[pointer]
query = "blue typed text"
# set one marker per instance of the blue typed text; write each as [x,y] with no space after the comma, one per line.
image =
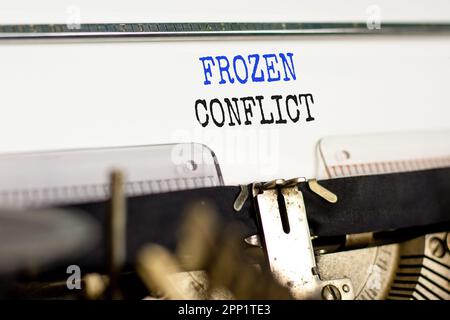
[241,69]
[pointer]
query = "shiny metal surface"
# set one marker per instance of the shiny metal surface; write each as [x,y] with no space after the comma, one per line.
[295,270]
[371,270]
[155,31]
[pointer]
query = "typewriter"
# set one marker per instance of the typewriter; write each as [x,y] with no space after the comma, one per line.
[182,151]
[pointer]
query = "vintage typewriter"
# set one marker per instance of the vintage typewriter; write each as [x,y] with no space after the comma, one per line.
[243,159]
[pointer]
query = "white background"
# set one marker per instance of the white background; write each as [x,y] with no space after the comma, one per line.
[78,95]
[54,11]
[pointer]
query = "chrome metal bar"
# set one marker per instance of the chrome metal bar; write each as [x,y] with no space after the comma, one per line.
[149,31]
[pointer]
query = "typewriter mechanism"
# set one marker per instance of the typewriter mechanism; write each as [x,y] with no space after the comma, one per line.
[224,160]
[114,238]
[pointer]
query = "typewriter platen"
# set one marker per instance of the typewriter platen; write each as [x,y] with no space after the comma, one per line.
[243,161]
